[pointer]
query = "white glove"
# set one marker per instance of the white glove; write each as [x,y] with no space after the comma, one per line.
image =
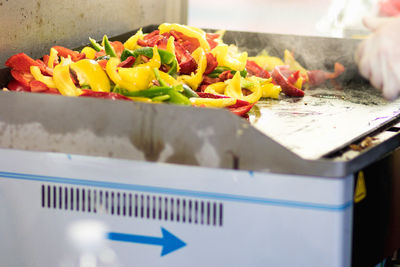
[378,57]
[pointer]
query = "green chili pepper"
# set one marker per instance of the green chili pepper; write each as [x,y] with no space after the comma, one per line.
[188,92]
[95,45]
[160,98]
[157,74]
[165,56]
[108,47]
[218,70]
[174,96]
[178,98]
[178,88]
[150,93]
[106,57]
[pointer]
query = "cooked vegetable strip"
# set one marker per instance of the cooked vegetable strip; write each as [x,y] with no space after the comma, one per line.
[89,52]
[35,71]
[213,102]
[234,89]
[294,65]
[53,57]
[131,43]
[63,81]
[89,72]
[188,31]
[108,47]
[114,75]
[227,58]
[95,45]
[195,79]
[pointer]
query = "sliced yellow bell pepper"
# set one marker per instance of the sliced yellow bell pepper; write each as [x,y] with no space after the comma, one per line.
[168,78]
[269,89]
[140,99]
[52,57]
[194,80]
[66,61]
[299,83]
[267,62]
[111,69]
[90,72]
[213,102]
[131,43]
[256,89]
[63,81]
[294,65]
[140,76]
[227,58]
[114,74]
[216,88]
[37,74]
[89,52]
[234,89]
[188,31]
[171,45]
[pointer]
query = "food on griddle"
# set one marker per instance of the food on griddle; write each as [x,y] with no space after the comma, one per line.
[175,64]
[365,143]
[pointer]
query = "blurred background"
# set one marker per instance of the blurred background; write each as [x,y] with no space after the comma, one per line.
[339,18]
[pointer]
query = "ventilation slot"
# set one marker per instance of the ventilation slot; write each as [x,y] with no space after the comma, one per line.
[134,205]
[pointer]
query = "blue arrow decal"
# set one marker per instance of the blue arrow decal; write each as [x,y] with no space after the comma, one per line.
[168,241]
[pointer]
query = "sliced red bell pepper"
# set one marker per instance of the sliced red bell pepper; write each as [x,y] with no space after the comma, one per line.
[240,108]
[241,111]
[127,63]
[101,53]
[38,87]
[44,68]
[102,63]
[189,43]
[212,63]
[15,85]
[21,62]
[104,95]
[151,42]
[317,77]
[294,77]
[53,91]
[65,52]
[287,88]
[208,80]
[254,69]
[225,75]
[23,77]
[162,43]
[118,47]
[210,37]
[151,35]
[187,64]
[239,103]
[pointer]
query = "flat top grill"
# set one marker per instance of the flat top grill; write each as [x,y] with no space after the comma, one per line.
[290,135]
[324,120]
[328,117]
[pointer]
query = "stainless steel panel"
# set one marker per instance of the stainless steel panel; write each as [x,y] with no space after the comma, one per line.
[34,26]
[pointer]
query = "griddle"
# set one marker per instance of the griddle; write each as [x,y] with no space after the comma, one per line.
[304,136]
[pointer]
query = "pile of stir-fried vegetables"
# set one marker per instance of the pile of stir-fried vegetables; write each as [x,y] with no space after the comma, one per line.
[174,64]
